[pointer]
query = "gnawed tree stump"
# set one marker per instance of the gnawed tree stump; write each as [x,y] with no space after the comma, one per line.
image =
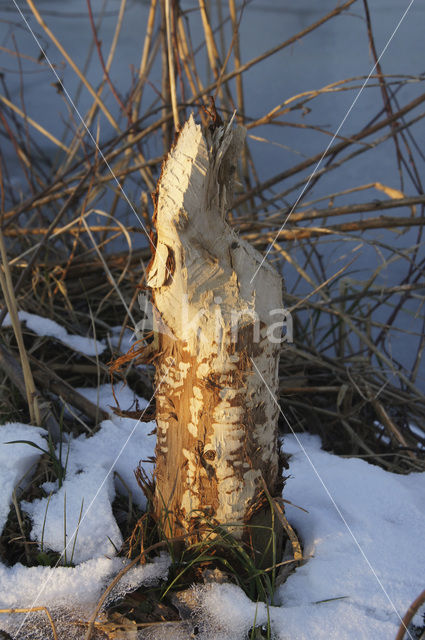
[216,348]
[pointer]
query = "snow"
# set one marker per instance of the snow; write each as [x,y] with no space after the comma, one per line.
[16,460]
[384,517]
[70,593]
[383,512]
[375,558]
[124,342]
[227,612]
[46,327]
[362,536]
[90,481]
[417,432]
[71,586]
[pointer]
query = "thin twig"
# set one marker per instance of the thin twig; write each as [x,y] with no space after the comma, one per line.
[409,615]
[33,609]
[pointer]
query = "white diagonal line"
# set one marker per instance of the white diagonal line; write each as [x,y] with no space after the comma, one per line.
[338,510]
[45,583]
[75,532]
[109,274]
[268,251]
[86,128]
[333,138]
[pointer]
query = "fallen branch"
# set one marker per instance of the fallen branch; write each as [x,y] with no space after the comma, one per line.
[50,381]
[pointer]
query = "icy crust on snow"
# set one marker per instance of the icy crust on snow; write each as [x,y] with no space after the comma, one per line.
[46,327]
[90,477]
[225,612]
[21,586]
[16,460]
[140,574]
[70,593]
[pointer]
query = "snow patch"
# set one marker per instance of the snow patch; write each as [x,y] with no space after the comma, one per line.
[16,460]
[46,327]
[334,595]
[95,467]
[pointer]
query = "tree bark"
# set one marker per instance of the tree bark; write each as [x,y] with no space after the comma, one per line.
[216,347]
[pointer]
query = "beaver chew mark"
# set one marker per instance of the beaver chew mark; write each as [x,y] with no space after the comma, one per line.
[170,266]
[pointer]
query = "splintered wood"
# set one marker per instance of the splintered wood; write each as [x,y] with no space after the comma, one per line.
[216,347]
